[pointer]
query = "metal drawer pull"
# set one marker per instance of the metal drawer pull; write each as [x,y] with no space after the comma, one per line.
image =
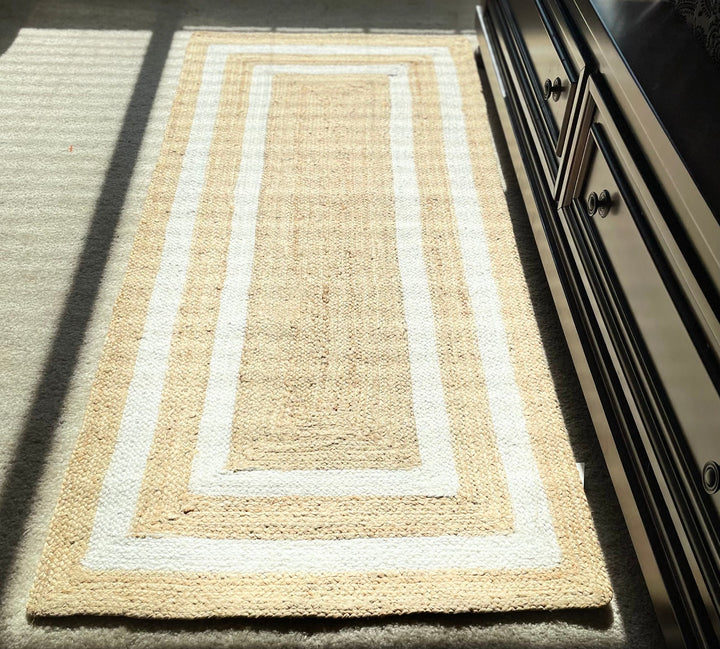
[711,477]
[553,88]
[600,204]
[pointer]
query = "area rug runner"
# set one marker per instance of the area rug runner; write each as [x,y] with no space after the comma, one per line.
[323,391]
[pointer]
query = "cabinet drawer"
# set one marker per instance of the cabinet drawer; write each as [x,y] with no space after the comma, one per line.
[667,371]
[551,74]
[622,247]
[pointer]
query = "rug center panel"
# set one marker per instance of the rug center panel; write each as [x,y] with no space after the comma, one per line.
[325,378]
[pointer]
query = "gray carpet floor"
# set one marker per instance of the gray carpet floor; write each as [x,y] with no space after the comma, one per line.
[86,91]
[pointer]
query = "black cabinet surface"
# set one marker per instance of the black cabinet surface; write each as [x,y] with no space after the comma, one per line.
[620,198]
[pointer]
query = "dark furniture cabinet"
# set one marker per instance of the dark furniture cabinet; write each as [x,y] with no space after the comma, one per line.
[611,111]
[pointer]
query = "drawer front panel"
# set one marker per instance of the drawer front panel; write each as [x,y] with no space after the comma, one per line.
[552,76]
[691,392]
[512,61]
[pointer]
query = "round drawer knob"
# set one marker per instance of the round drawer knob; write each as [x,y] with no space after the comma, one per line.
[552,88]
[599,204]
[711,477]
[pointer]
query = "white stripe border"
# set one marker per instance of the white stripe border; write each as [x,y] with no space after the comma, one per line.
[532,544]
[436,476]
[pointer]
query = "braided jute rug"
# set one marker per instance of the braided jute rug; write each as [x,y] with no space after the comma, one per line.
[323,391]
